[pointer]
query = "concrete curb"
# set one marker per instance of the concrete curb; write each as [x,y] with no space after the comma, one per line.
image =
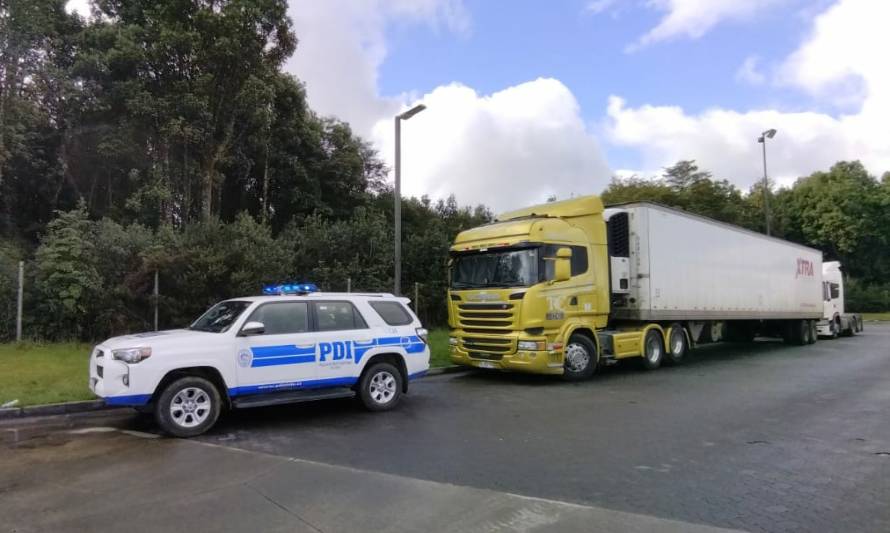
[53,409]
[453,369]
[98,405]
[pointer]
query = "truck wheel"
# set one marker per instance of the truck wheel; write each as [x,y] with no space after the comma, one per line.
[380,387]
[859,325]
[852,329]
[653,349]
[814,334]
[188,406]
[800,332]
[835,329]
[581,358]
[678,343]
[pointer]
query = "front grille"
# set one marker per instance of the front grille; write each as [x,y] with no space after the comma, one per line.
[495,318]
[484,344]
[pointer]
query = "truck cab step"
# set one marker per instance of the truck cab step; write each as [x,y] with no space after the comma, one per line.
[294,396]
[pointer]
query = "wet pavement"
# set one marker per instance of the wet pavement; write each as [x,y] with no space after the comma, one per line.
[761,437]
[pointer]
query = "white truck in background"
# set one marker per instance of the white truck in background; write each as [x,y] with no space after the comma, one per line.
[835,321]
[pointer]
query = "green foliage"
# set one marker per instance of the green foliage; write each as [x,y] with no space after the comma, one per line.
[683,186]
[162,136]
[67,278]
[867,297]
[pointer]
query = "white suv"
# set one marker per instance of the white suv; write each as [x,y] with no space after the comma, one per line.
[266,350]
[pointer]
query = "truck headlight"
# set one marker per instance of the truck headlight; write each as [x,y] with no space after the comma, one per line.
[452,341]
[131,355]
[530,345]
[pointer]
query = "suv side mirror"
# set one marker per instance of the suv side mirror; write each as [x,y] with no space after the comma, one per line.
[252,328]
[562,267]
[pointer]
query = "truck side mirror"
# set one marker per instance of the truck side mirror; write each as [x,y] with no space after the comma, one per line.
[562,267]
[252,328]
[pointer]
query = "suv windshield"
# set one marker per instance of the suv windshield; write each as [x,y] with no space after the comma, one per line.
[505,268]
[220,317]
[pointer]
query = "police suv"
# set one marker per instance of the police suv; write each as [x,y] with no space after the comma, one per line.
[291,345]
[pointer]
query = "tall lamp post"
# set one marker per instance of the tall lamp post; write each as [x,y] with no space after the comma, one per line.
[397,196]
[768,134]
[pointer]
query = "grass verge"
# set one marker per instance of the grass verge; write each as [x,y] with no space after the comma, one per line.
[439,349]
[876,316]
[44,373]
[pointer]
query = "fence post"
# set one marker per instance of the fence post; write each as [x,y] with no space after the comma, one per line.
[348,284]
[417,298]
[19,301]
[155,298]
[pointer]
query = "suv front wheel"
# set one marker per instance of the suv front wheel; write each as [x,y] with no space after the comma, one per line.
[380,387]
[188,406]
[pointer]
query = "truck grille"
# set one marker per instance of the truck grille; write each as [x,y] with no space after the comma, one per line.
[494,318]
[485,344]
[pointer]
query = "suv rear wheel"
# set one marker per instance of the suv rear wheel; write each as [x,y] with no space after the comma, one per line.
[380,387]
[188,406]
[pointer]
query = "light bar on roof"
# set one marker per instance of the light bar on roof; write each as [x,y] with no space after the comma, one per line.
[289,288]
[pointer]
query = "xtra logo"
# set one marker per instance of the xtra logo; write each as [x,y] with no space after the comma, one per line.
[804,268]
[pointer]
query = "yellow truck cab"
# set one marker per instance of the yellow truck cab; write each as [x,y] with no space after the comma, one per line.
[564,287]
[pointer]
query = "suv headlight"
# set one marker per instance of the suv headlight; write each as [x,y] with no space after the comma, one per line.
[131,355]
[423,334]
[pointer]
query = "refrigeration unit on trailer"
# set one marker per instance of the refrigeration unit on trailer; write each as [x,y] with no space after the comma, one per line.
[563,287]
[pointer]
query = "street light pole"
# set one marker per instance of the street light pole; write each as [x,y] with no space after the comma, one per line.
[397,196]
[768,134]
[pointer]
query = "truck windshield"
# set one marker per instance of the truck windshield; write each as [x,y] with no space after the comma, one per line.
[220,317]
[504,268]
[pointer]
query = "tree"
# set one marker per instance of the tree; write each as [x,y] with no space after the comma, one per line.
[184,72]
[67,281]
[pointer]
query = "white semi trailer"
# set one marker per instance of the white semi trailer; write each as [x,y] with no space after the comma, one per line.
[721,281]
[563,287]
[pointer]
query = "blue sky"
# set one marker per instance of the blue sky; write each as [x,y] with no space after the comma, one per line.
[511,42]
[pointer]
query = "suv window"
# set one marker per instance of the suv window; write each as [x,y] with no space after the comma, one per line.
[282,317]
[393,313]
[336,316]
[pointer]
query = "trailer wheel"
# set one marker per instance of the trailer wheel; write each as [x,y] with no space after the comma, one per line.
[678,344]
[581,358]
[800,332]
[653,349]
[859,324]
[813,334]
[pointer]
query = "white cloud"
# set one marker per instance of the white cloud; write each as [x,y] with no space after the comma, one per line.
[599,6]
[342,45]
[694,18]
[505,149]
[749,72]
[511,148]
[844,50]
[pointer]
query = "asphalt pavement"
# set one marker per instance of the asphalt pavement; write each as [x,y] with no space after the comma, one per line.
[757,437]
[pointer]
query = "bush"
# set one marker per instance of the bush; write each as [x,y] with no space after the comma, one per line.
[867,298]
